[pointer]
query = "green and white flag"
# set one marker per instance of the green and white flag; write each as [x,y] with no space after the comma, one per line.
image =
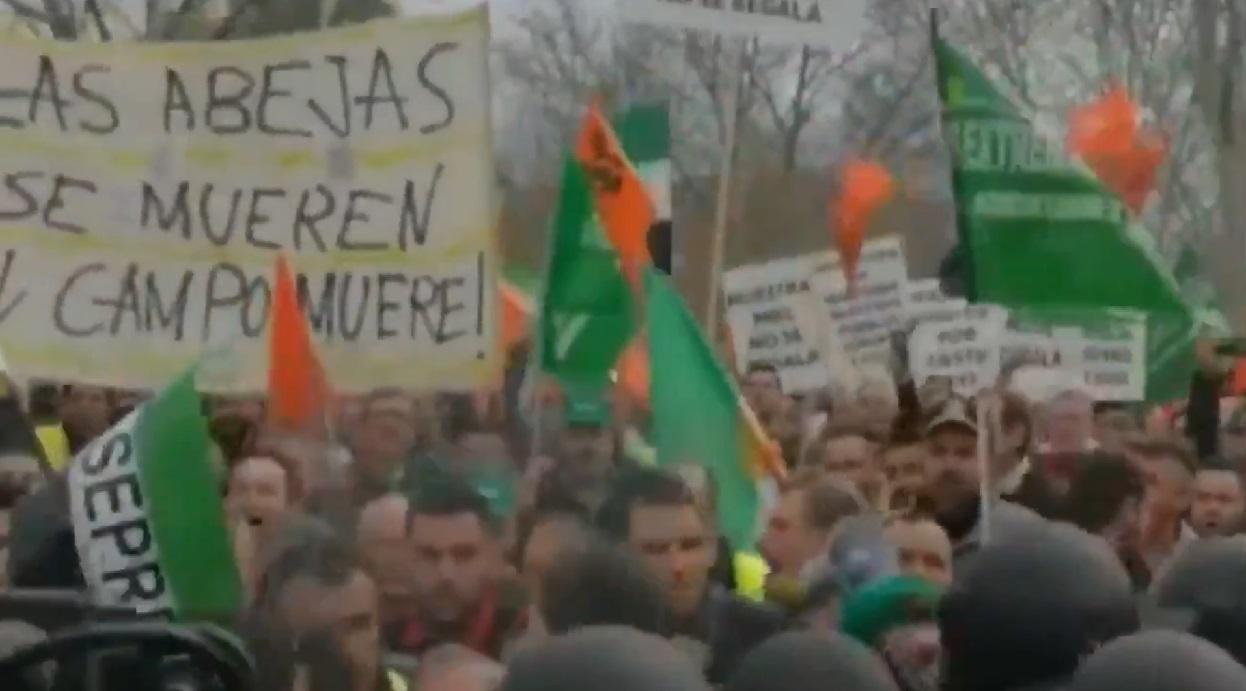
[149,523]
[1041,233]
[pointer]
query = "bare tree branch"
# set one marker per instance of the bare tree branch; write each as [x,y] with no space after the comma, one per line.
[21,9]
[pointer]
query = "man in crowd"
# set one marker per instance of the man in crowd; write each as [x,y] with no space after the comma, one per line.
[922,548]
[457,572]
[763,389]
[387,552]
[1218,502]
[383,440]
[848,455]
[551,533]
[904,467]
[86,413]
[954,484]
[1167,467]
[798,533]
[655,514]
[317,594]
[586,456]
[1070,423]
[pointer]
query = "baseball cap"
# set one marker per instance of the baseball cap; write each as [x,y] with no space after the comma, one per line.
[586,407]
[955,411]
[883,605]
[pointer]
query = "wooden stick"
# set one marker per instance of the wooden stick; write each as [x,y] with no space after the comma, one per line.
[722,210]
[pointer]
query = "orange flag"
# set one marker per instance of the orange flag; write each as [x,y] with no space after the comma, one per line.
[517,309]
[864,188]
[298,391]
[1108,136]
[623,203]
[633,370]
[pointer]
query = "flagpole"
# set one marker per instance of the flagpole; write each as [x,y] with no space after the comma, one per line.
[986,444]
[723,207]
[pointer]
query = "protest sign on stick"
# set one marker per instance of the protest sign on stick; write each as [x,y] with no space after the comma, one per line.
[148,188]
[864,320]
[966,349]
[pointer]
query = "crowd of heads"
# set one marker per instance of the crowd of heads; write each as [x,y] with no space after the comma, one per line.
[915,541]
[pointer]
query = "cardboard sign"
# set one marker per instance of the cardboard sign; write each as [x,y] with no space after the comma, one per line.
[148,187]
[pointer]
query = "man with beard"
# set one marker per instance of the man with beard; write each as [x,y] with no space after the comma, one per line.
[954,478]
[457,572]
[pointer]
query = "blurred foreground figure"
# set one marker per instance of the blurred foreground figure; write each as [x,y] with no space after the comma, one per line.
[318,602]
[810,662]
[1024,614]
[1207,582]
[896,616]
[1160,661]
[458,668]
[604,659]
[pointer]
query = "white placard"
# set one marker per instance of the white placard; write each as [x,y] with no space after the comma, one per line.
[965,349]
[924,301]
[834,24]
[864,322]
[767,324]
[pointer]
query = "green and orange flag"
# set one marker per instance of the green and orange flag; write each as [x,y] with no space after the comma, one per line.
[588,304]
[700,417]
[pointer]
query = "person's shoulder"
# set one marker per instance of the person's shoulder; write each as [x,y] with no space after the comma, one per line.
[760,617]
[1010,516]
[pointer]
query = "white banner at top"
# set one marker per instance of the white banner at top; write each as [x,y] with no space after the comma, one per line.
[833,24]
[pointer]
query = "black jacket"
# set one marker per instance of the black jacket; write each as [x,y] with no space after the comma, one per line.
[730,627]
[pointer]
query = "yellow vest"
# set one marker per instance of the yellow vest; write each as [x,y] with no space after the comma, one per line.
[55,445]
[750,575]
[397,682]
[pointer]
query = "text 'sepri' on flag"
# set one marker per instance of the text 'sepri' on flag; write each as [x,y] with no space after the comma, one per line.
[149,524]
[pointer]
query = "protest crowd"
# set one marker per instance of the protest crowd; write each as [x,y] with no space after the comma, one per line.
[841,478]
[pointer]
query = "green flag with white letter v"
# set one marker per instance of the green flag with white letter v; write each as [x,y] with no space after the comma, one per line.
[149,523]
[1041,232]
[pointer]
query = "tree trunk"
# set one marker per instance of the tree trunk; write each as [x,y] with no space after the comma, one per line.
[1219,98]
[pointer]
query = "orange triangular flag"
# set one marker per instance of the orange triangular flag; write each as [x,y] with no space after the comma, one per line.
[633,372]
[864,187]
[298,391]
[517,309]
[623,203]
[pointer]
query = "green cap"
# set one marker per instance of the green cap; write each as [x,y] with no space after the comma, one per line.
[877,608]
[586,407]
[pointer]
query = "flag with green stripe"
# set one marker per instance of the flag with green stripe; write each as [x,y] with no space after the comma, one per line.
[1041,232]
[587,306]
[148,519]
[699,417]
